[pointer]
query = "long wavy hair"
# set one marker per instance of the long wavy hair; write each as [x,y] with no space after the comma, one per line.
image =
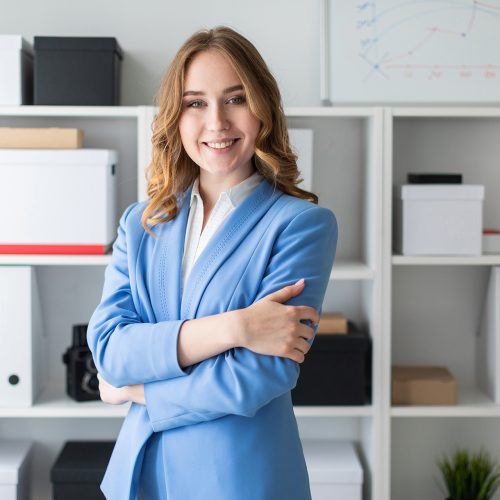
[172,171]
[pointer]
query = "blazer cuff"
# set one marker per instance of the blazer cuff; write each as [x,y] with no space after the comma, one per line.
[165,354]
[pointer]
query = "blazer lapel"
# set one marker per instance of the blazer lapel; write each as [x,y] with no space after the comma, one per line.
[224,242]
[170,254]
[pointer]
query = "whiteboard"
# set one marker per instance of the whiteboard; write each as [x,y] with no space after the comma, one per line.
[421,51]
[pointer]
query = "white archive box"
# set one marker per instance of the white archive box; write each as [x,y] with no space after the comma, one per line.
[14,469]
[488,340]
[16,71]
[57,201]
[438,219]
[23,345]
[334,469]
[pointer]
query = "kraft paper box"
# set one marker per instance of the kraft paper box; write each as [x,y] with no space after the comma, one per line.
[423,385]
[332,323]
[40,138]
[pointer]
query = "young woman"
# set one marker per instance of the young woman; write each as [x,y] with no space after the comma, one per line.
[204,320]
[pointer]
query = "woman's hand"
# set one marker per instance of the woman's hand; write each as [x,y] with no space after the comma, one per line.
[270,327]
[120,395]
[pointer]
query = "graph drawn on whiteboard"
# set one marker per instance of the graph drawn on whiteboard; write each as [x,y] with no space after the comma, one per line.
[396,51]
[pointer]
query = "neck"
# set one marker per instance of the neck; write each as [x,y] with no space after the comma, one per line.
[211,186]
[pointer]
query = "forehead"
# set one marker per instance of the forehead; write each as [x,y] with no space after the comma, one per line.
[210,70]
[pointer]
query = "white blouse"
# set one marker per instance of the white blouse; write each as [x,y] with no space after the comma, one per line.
[196,240]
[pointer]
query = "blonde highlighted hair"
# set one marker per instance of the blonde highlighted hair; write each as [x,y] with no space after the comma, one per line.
[172,171]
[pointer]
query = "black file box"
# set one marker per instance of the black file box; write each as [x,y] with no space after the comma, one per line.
[78,470]
[336,371]
[80,71]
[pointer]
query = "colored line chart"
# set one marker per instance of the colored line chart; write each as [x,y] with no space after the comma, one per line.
[416,50]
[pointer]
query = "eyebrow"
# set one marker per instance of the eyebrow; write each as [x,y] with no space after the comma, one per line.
[225,91]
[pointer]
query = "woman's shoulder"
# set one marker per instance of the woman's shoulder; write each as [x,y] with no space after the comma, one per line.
[298,208]
[131,217]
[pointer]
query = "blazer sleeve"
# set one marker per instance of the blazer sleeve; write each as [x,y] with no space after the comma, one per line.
[126,350]
[239,381]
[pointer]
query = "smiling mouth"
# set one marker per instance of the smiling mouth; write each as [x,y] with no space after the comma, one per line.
[221,145]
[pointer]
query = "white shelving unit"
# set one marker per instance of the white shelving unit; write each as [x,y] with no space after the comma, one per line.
[433,306]
[348,180]
[416,309]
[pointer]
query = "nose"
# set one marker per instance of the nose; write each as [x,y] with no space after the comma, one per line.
[217,118]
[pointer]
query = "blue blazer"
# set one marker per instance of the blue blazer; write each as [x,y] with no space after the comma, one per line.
[229,430]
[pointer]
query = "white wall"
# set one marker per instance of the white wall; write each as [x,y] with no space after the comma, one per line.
[150,32]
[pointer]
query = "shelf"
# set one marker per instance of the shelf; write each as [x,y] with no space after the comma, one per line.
[472,403]
[329,111]
[333,411]
[447,112]
[55,260]
[72,111]
[52,403]
[343,270]
[482,260]
[351,270]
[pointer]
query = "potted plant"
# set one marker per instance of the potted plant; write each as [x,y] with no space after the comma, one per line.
[469,476]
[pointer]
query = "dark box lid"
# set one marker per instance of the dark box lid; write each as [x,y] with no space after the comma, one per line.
[77,43]
[353,340]
[82,462]
[434,178]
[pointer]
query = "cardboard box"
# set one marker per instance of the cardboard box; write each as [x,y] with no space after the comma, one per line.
[40,138]
[14,469]
[334,469]
[16,71]
[438,219]
[69,201]
[332,323]
[423,385]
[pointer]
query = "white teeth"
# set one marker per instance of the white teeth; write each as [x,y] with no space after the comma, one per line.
[220,145]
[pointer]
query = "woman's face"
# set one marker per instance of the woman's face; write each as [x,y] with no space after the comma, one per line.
[217,129]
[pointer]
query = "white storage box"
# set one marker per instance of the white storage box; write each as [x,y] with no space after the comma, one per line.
[14,469]
[23,346]
[334,468]
[16,71]
[438,219]
[57,201]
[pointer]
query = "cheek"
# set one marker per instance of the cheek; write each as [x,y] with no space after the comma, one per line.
[252,126]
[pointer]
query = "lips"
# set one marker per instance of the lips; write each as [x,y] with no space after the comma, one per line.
[221,144]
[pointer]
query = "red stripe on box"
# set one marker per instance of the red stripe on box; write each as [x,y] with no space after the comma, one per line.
[54,249]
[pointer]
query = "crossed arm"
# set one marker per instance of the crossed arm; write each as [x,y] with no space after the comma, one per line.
[225,377]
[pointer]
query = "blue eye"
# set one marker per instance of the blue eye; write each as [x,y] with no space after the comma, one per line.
[195,104]
[237,100]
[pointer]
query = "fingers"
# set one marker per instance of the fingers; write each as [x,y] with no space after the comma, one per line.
[303,346]
[306,312]
[287,292]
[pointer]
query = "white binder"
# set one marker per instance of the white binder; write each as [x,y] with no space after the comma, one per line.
[488,340]
[23,364]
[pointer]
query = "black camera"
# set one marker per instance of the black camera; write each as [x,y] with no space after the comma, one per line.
[81,374]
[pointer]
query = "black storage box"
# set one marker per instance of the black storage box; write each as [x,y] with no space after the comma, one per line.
[77,71]
[79,469]
[336,371]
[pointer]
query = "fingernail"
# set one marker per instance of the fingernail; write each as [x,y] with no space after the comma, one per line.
[300,282]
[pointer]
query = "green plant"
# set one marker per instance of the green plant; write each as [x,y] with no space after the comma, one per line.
[469,476]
